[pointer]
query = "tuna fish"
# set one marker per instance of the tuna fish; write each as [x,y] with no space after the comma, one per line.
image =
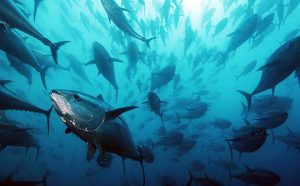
[272,120]
[10,14]
[247,139]
[196,111]
[221,123]
[155,104]
[281,64]
[243,32]
[116,15]
[16,47]
[247,69]
[10,181]
[105,65]
[291,139]
[162,78]
[76,66]
[266,103]
[13,135]
[94,121]
[133,57]
[205,181]
[220,26]
[259,177]
[9,102]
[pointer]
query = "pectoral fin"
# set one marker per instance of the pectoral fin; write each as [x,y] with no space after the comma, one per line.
[90,151]
[124,9]
[68,130]
[90,63]
[273,63]
[116,60]
[234,139]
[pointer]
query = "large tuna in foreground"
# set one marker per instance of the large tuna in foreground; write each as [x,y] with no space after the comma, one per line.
[98,124]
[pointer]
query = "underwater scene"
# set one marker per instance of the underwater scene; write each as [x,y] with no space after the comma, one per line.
[149,92]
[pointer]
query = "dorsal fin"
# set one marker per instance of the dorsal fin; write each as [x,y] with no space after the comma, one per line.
[268,65]
[117,112]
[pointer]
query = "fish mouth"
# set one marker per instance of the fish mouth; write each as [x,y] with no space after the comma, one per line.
[59,102]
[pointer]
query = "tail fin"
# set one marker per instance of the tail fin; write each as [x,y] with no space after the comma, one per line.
[228,142]
[147,41]
[47,114]
[55,47]
[36,5]
[248,98]
[43,72]
[142,165]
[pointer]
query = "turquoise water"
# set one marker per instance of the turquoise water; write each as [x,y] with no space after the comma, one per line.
[205,72]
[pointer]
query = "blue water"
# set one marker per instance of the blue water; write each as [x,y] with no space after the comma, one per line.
[63,156]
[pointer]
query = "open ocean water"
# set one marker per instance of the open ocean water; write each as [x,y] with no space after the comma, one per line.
[149,92]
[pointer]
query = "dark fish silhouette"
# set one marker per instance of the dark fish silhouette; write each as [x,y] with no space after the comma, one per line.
[10,14]
[12,135]
[155,104]
[281,64]
[10,182]
[259,177]
[115,14]
[9,102]
[105,65]
[247,139]
[100,126]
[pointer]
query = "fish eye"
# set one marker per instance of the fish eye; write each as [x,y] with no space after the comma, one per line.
[77,97]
